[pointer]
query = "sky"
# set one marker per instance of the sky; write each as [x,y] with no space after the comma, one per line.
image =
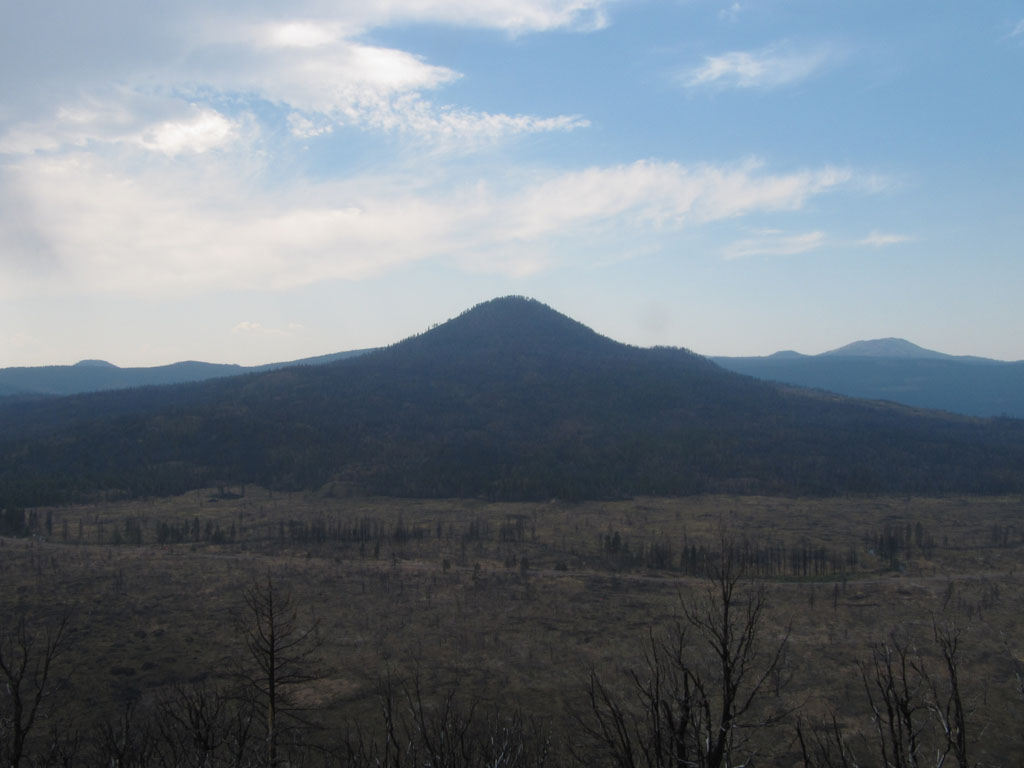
[249,181]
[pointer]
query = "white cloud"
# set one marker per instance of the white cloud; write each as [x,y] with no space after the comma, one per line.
[769,67]
[1018,30]
[880,239]
[304,128]
[206,129]
[514,16]
[192,225]
[774,243]
[195,226]
[650,193]
[316,63]
[73,125]
[160,125]
[300,34]
[374,88]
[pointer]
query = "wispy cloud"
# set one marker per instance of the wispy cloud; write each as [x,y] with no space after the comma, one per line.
[770,67]
[305,128]
[730,12]
[159,185]
[881,239]
[1018,30]
[660,193]
[334,79]
[193,223]
[514,16]
[774,243]
[316,64]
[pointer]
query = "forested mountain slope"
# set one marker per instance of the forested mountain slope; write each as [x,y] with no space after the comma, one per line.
[510,400]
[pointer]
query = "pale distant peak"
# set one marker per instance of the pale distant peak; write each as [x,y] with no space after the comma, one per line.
[890,347]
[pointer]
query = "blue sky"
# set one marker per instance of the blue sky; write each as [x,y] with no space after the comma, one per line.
[253,181]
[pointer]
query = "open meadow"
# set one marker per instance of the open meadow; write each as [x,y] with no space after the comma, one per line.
[520,607]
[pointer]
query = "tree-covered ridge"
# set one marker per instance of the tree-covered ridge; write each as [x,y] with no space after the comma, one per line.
[510,400]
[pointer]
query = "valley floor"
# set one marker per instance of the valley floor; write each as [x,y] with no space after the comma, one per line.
[513,606]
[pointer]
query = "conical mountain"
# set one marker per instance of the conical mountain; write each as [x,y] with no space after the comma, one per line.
[890,347]
[510,400]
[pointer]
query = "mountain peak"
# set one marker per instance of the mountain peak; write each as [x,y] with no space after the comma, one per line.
[510,325]
[93,364]
[890,347]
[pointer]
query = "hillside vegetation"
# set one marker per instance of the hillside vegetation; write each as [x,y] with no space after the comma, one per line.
[510,400]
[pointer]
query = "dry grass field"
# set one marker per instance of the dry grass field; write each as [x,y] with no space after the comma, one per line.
[512,605]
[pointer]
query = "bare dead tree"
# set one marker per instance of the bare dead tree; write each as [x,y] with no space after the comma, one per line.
[918,714]
[27,659]
[825,744]
[127,742]
[442,733]
[284,651]
[205,725]
[446,732]
[699,697]
[894,691]
[64,746]
[946,700]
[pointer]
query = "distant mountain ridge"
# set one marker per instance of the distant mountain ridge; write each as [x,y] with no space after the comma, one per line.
[898,348]
[509,400]
[890,369]
[890,347]
[899,371]
[99,375]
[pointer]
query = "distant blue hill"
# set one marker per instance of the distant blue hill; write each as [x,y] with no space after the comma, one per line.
[901,372]
[880,369]
[99,375]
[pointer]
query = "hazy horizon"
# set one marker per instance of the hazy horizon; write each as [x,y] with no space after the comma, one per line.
[92,359]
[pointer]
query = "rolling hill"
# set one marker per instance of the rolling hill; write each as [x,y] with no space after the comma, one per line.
[510,400]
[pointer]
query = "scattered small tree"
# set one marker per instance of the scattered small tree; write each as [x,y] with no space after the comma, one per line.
[284,651]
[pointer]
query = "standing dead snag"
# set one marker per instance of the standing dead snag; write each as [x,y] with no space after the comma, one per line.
[26,671]
[893,686]
[203,725]
[698,699]
[918,714]
[946,699]
[902,691]
[285,655]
